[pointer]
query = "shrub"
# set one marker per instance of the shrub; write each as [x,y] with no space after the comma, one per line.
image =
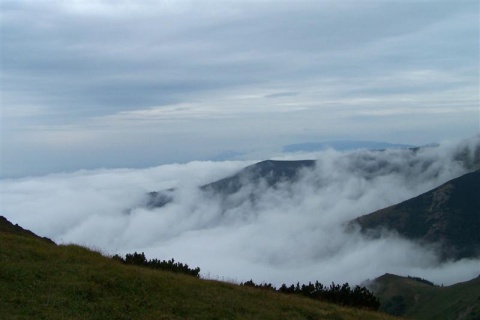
[139,259]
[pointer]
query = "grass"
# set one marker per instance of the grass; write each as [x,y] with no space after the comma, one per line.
[41,280]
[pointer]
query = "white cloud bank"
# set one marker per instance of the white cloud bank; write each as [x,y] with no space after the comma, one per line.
[288,234]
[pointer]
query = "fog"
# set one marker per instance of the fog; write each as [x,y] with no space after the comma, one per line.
[293,232]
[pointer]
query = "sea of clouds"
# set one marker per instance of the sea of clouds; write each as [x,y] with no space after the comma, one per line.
[293,232]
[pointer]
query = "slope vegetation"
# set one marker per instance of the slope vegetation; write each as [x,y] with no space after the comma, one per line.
[420,300]
[42,280]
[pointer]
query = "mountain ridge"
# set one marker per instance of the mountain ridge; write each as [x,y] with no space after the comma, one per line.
[270,171]
[448,215]
[8,227]
[275,171]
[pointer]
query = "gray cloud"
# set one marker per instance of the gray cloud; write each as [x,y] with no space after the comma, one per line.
[68,66]
[124,58]
[291,233]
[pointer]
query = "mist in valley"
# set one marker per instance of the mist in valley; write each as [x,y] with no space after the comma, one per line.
[291,231]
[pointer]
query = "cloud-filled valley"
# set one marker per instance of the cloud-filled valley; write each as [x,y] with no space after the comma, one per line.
[287,232]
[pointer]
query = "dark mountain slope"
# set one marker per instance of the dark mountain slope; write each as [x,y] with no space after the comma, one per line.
[448,215]
[416,298]
[270,171]
[10,228]
[368,164]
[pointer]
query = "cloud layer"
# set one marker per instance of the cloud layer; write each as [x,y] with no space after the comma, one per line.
[290,233]
[81,78]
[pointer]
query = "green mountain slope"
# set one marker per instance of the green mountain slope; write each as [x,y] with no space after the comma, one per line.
[420,300]
[448,215]
[41,280]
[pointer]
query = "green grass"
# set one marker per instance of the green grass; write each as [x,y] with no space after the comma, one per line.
[41,280]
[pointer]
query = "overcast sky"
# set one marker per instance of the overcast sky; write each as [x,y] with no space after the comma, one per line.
[92,84]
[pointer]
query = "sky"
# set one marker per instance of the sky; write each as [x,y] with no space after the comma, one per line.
[292,233]
[137,84]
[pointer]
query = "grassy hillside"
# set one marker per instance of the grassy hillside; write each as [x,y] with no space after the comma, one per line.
[419,300]
[41,280]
